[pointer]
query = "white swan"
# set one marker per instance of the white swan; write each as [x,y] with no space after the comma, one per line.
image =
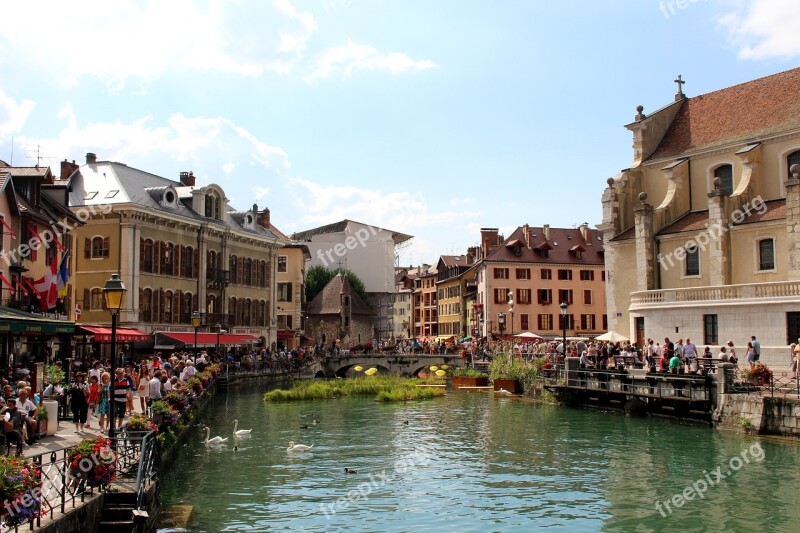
[298,447]
[503,391]
[239,432]
[215,440]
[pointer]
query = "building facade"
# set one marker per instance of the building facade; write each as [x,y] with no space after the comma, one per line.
[291,294]
[179,248]
[701,233]
[451,290]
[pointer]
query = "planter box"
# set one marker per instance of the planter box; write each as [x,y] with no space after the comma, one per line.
[459,381]
[41,428]
[511,385]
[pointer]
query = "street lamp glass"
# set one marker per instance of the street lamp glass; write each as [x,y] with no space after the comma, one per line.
[196,319]
[113,292]
[564,308]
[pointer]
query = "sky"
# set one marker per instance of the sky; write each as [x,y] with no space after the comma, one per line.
[433,118]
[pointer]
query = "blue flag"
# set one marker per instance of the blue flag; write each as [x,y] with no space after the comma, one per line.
[63,275]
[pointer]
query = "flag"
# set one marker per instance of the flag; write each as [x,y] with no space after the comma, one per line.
[47,286]
[63,276]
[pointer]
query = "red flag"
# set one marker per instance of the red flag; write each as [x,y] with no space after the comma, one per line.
[47,286]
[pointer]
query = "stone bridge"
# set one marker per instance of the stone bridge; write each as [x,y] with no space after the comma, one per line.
[399,364]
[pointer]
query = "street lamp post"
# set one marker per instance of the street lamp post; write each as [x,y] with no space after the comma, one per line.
[511,310]
[113,293]
[564,307]
[501,323]
[218,327]
[196,323]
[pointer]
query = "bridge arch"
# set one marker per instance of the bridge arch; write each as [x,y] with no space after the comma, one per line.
[343,370]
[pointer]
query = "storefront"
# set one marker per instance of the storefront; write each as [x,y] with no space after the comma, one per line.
[28,338]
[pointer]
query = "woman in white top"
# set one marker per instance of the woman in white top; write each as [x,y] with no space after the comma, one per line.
[143,387]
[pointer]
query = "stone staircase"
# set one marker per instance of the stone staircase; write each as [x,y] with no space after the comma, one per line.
[118,516]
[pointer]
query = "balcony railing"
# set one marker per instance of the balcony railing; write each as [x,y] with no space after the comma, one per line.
[752,291]
[225,320]
[217,278]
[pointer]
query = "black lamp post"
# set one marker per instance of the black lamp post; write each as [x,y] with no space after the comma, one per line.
[196,319]
[113,293]
[501,322]
[564,307]
[511,310]
[219,332]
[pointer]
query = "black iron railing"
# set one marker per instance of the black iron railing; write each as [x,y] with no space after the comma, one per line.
[783,384]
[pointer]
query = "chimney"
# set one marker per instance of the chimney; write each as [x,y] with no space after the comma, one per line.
[91,158]
[187,179]
[489,238]
[263,218]
[585,231]
[526,233]
[255,209]
[546,231]
[67,169]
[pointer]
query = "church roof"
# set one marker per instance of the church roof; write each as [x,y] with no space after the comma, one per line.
[694,221]
[746,112]
[329,301]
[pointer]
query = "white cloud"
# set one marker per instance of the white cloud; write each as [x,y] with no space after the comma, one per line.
[764,28]
[351,57]
[13,115]
[456,202]
[259,193]
[142,40]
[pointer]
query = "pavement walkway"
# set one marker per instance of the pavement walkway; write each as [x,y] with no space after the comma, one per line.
[67,436]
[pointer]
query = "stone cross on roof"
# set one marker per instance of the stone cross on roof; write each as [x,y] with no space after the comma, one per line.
[679,95]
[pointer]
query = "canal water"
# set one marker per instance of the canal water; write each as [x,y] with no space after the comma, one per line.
[471,462]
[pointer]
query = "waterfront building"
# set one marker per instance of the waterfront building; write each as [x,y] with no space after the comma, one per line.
[451,290]
[36,286]
[522,280]
[701,232]
[291,293]
[426,320]
[339,313]
[179,248]
[369,252]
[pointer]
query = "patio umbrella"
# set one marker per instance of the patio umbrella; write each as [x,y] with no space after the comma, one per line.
[612,336]
[528,335]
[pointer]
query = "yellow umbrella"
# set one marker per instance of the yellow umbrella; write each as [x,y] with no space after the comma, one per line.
[371,371]
[434,368]
[444,367]
[358,368]
[441,373]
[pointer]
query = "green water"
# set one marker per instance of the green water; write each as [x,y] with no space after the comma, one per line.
[469,462]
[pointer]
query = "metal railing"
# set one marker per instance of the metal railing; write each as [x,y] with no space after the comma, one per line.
[784,384]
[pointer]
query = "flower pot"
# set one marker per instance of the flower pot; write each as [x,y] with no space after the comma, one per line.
[52,416]
[511,385]
[41,428]
[460,381]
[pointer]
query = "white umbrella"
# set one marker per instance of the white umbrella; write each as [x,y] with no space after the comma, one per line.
[528,335]
[612,336]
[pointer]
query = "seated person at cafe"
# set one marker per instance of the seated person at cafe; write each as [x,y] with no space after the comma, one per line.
[13,425]
[28,409]
[675,363]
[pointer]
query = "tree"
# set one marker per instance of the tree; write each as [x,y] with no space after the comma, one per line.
[318,276]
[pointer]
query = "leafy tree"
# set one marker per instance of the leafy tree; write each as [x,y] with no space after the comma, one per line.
[318,276]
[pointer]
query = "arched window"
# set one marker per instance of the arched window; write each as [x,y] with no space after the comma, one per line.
[725,174]
[234,271]
[211,304]
[168,302]
[186,315]
[211,259]
[263,277]
[188,262]
[247,317]
[792,159]
[248,272]
[100,246]
[146,262]
[232,308]
[264,317]
[146,305]
[168,259]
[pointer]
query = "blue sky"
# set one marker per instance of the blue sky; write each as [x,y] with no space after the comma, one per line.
[432,118]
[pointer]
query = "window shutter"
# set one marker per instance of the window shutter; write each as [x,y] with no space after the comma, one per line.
[176,307]
[182,266]
[162,298]
[87,299]
[87,248]
[196,269]
[156,257]
[141,260]
[106,246]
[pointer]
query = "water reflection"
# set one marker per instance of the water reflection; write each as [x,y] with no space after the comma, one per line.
[468,462]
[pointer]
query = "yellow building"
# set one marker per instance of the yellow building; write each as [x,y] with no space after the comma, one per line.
[179,249]
[451,289]
[291,293]
[701,233]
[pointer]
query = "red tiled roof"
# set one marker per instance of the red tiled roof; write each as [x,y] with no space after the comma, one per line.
[775,210]
[744,112]
[328,301]
[561,241]
[694,221]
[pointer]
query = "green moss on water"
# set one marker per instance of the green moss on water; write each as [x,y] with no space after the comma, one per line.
[382,388]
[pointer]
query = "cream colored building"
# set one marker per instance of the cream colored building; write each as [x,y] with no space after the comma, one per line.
[179,248]
[291,293]
[702,233]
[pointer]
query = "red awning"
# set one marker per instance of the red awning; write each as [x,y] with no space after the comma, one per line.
[208,338]
[284,334]
[123,334]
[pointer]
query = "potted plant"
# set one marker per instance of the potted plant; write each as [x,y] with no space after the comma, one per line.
[93,462]
[759,375]
[158,410]
[20,491]
[54,377]
[41,420]
[468,377]
[505,371]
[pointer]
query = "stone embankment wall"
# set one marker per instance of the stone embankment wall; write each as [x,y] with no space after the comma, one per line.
[759,414]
